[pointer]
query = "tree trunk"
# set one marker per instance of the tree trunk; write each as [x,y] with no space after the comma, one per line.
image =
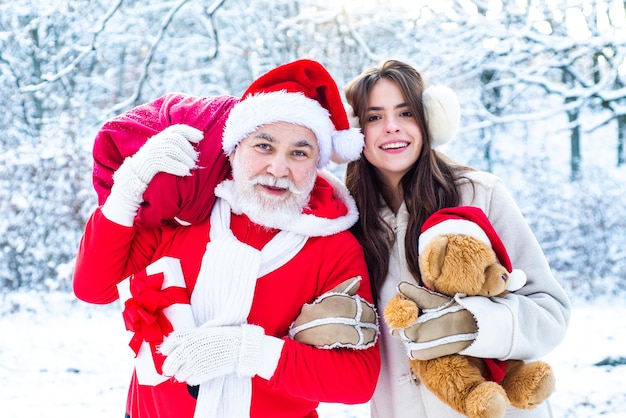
[575,157]
[621,134]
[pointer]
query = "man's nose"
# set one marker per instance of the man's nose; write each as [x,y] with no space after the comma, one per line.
[278,167]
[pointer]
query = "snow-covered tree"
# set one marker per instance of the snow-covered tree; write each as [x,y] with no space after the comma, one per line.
[541,86]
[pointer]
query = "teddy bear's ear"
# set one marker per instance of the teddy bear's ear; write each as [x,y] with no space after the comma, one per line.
[433,258]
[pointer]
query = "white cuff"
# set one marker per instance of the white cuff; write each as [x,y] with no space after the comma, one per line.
[250,350]
[119,210]
[495,328]
[271,350]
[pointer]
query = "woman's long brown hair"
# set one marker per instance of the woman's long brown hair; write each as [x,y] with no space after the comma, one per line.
[429,184]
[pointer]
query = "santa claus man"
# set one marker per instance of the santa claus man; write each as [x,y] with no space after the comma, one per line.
[276,241]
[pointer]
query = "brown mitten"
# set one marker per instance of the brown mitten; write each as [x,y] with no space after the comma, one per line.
[338,318]
[443,327]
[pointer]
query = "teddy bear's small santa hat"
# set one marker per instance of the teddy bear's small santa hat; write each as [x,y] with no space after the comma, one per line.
[304,93]
[472,221]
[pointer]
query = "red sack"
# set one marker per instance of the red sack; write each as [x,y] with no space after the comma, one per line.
[167,197]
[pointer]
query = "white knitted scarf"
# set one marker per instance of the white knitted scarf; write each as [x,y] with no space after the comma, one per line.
[223,296]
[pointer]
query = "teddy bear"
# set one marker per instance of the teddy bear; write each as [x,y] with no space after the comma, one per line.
[460,253]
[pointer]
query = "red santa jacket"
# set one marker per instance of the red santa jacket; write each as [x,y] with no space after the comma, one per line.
[305,375]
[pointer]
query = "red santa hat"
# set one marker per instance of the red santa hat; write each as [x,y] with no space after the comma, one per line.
[472,221]
[301,92]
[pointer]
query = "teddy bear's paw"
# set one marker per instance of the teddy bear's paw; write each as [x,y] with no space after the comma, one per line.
[487,400]
[529,385]
[400,312]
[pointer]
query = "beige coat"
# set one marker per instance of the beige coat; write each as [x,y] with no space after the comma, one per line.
[525,325]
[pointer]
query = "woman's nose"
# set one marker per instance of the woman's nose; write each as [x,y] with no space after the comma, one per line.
[391,125]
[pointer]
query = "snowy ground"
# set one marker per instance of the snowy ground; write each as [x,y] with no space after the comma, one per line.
[63,358]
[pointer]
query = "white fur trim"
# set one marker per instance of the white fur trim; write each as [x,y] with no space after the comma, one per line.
[415,346]
[355,321]
[181,222]
[340,191]
[452,226]
[347,145]
[443,113]
[279,106]
[517,279]
[308,224]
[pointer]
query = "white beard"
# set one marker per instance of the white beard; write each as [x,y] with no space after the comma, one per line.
[278,212]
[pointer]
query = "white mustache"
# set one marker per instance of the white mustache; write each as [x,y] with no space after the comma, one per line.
[271,181]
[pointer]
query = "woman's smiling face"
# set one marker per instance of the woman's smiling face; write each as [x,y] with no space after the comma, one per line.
[393,139]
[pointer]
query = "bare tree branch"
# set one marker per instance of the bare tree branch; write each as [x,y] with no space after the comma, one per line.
[50,78]
[134,98]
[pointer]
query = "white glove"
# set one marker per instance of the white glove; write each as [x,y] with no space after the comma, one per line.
[201,354]
[170,151]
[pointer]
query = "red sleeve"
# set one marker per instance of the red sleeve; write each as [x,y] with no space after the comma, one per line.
[339,375]
[107,254]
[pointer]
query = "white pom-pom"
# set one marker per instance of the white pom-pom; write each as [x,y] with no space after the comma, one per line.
[517,279]
[347,145]
[443,113]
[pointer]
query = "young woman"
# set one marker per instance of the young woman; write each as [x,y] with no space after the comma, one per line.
[398,183]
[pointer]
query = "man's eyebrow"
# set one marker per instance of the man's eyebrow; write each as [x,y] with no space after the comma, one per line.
[304,143]
[298,144]
[266,136]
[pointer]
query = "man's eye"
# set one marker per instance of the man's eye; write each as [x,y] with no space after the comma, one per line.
[264,147]
[300,153]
